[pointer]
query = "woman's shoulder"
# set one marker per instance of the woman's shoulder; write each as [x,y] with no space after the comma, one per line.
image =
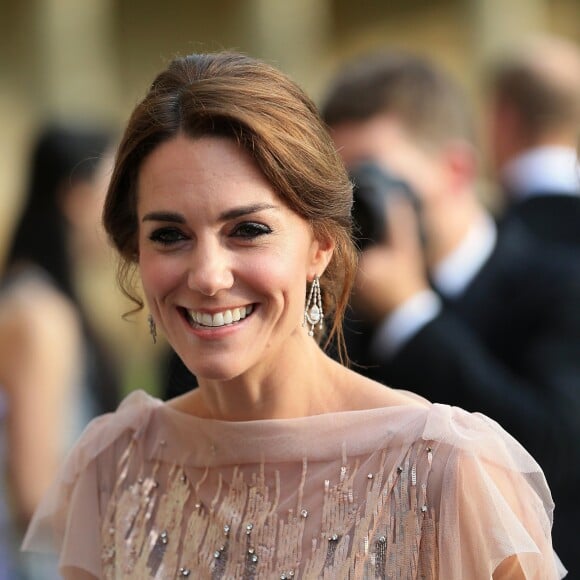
[353,391]
[477,435]
[130,419]
[132,414]
[32,309]
[38,326]
[457,431]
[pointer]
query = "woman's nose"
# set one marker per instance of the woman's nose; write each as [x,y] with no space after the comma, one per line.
[210,270]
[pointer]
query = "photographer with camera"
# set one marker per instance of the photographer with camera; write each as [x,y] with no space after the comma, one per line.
[445,302]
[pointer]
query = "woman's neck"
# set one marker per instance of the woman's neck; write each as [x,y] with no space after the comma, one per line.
[291,386]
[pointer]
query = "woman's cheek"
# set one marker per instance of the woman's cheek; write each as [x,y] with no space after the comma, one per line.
[158,273]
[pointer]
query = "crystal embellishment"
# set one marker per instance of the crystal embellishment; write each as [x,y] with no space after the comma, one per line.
[314,314]
[139,521]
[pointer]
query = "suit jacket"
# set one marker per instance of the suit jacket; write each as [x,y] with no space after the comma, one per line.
[552,217]
[508,347]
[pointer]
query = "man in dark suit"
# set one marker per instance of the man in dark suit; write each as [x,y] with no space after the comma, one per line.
[534,132]
[479,317]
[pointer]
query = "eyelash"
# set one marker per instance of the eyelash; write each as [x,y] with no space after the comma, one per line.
[167,236]
[251,230]
[246,231]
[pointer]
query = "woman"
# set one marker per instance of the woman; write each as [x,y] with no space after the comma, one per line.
[53,375]
[230,200]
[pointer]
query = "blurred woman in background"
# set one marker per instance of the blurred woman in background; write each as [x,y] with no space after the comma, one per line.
[54,373]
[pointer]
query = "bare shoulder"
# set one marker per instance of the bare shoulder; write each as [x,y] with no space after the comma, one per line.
[359,392]
[36,323]
[34,308]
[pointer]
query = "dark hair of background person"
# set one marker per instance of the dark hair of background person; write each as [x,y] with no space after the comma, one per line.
[235,96]
[544,101]
[429,105]
[62,156]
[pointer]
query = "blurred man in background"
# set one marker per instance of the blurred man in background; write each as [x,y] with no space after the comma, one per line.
[446,303]
[534,131]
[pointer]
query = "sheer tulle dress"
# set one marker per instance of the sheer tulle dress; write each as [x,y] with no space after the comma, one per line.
[411,491]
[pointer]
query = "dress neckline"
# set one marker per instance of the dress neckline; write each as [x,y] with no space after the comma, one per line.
[189,440]
[304,420]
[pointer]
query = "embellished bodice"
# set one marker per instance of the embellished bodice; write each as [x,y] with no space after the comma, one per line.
[416,491]
[361,517]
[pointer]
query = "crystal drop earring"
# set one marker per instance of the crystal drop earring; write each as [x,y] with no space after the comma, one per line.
[313,314]
[152,328]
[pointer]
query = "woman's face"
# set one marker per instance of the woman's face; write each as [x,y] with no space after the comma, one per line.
[224,262]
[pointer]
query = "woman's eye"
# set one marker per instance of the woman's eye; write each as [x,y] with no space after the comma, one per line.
[249,230]
[167,236]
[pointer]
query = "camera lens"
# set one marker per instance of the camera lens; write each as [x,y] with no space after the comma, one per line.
[372,187]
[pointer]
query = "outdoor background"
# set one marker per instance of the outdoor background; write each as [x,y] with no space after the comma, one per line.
[93,59]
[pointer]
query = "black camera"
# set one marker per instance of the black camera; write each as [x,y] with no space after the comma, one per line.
[372,187]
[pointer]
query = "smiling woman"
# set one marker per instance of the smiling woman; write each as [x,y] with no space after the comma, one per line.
[230,202]
[216,242]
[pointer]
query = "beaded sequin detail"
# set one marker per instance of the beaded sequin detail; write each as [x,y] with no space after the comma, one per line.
[160,523]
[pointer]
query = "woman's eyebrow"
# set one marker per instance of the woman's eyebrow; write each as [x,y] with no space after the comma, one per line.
[236,212]
[164,216]
[243,210]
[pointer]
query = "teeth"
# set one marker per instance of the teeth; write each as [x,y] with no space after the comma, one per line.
[220,318]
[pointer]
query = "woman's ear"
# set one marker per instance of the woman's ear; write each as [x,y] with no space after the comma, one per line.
[322,250]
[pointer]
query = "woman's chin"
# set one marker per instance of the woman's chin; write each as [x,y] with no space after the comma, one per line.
[214,372]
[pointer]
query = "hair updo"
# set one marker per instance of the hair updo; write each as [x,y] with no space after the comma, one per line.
[236,96]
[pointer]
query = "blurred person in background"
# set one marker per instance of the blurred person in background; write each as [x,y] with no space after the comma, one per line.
[534,130]
[445,303]
[54,373]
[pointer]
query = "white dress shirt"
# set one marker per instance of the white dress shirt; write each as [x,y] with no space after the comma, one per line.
[543,170]
[450,277]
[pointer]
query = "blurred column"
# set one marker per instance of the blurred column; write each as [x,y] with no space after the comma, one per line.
[292,35]
[76,58]
[498,24]
[18,95]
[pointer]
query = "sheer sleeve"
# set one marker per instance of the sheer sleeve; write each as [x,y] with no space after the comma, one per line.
[68,520]
[496,508]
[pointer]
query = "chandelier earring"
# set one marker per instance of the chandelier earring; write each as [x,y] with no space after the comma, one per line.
[152,328]
[313,314]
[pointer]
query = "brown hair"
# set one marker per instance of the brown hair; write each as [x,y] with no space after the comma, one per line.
[233,95]
[431,107]
[544,96]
